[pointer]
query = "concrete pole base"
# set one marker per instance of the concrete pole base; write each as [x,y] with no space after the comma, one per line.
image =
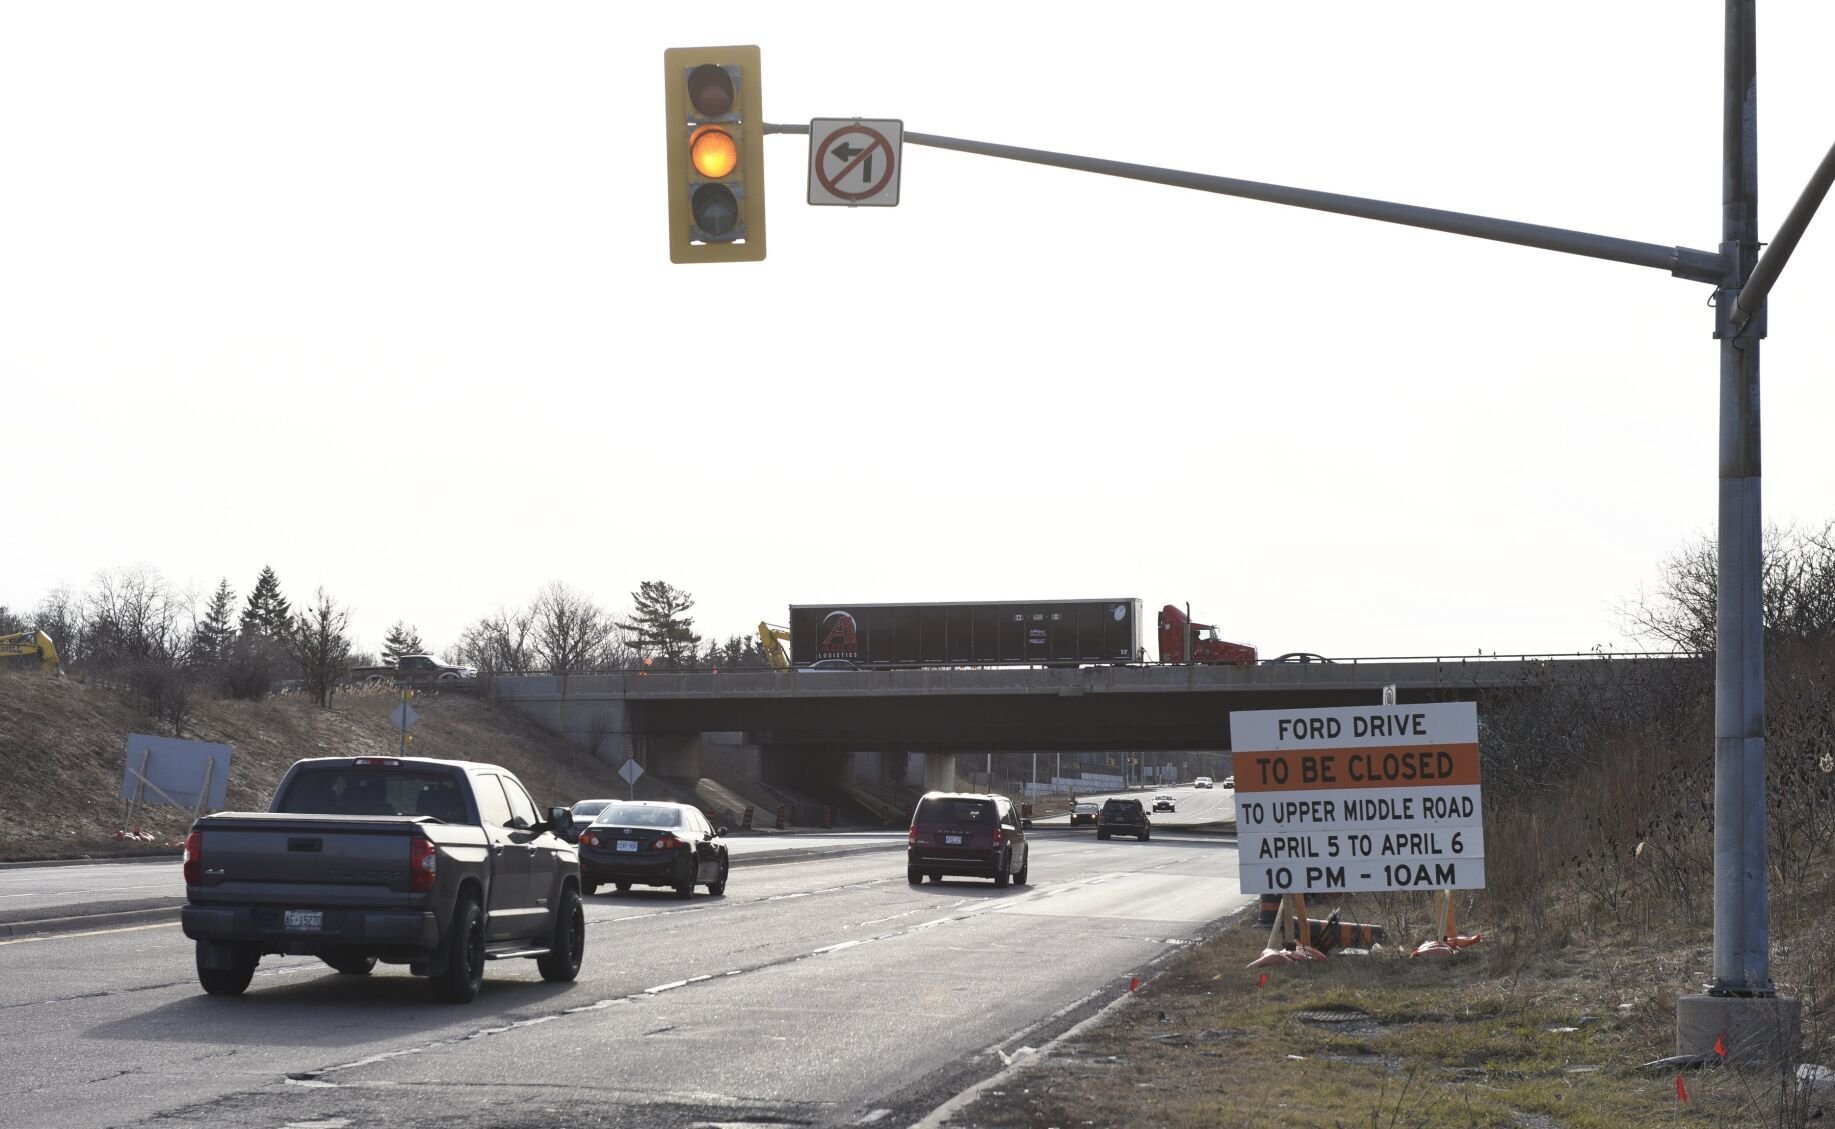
[1759,1031]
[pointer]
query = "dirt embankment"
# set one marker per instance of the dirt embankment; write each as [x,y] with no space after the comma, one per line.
[63,747]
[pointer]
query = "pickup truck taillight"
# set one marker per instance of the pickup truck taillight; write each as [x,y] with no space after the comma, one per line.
[423,864]
[194,859]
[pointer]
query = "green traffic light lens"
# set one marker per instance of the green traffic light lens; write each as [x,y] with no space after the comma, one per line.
[710,90]
[716,209]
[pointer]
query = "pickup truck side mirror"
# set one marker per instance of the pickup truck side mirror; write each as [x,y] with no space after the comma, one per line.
[560,819]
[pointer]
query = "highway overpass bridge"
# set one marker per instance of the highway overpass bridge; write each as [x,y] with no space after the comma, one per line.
[695,723]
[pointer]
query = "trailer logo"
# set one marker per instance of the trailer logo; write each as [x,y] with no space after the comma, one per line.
[840,637]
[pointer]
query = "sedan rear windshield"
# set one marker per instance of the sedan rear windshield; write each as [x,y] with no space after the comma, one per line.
[635,815]
[933,810]
[373,791]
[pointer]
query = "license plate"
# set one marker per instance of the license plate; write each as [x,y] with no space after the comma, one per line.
[952,840]
[304,920]
[627,844]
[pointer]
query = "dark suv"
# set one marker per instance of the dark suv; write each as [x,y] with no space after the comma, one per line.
[1123,817]
[964,833]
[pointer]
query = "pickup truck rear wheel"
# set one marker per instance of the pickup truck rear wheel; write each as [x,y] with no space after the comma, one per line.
[464,972]
[232,981]
[569,943]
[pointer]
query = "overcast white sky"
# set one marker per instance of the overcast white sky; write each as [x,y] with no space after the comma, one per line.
[379,294]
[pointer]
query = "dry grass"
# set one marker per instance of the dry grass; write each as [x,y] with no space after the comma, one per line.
[63,750]
[1597,917]
[1553,1041]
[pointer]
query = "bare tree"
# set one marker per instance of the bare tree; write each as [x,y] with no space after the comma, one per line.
[60,615]
[133,616]
[571,632]
[1798,592]
[503,643]
[318,643]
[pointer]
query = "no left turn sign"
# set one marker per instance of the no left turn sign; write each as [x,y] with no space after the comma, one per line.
[855,162]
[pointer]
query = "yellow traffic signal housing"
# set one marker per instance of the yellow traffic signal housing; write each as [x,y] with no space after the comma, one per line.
[716,154]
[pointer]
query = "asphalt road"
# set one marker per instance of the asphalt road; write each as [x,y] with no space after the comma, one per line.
[824,991]
[1193,807]
[29,893]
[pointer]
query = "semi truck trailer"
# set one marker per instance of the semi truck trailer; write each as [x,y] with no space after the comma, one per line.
[1031,632]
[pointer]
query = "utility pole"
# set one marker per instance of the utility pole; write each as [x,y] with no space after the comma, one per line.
[1741,1006]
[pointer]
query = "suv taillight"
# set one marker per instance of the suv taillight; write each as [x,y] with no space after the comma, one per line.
[911,837]
[194,859]
[999,836]
[423,864]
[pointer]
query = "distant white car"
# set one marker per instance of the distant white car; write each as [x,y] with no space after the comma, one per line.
[1164,803]
[1230,783]
[1201,782]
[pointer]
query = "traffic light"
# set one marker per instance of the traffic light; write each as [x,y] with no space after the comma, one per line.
[716,154]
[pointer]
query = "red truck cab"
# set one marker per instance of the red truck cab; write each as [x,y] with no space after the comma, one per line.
[1206,646]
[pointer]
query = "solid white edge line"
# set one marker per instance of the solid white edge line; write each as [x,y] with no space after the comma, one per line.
[941,1115]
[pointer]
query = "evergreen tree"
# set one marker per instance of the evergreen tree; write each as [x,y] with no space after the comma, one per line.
[659,626]
[732,652]
[211,643]
[401,640]
[267,612]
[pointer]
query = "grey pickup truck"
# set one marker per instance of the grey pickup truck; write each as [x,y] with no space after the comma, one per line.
[438,865]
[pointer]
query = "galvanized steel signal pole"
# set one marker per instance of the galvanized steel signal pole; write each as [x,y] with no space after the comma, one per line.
[1767,1027]
[1742,930]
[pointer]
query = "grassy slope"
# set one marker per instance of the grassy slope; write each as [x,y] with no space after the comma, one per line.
[63,750]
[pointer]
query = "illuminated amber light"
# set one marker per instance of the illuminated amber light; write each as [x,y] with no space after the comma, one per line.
[713,151]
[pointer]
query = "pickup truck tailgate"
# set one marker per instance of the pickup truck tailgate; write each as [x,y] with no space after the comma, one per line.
[338,859]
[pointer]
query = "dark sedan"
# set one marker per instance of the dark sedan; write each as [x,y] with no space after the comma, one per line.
[1123,817]
[651,843]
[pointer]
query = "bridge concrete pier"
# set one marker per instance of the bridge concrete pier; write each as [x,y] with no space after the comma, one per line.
[933,772]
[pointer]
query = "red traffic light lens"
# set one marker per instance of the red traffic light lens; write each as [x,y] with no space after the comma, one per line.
[713,151]
[710,90]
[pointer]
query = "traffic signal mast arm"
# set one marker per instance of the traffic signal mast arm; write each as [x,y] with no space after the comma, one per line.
[1683,262]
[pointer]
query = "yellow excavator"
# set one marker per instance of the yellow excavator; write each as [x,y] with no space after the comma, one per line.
[31,643]
[771,640]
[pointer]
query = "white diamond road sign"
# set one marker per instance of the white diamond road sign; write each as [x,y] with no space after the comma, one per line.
[403,716]
[631,771]
[855,162]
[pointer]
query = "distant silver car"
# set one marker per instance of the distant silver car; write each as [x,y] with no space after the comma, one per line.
[1201,782]
[584,812]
